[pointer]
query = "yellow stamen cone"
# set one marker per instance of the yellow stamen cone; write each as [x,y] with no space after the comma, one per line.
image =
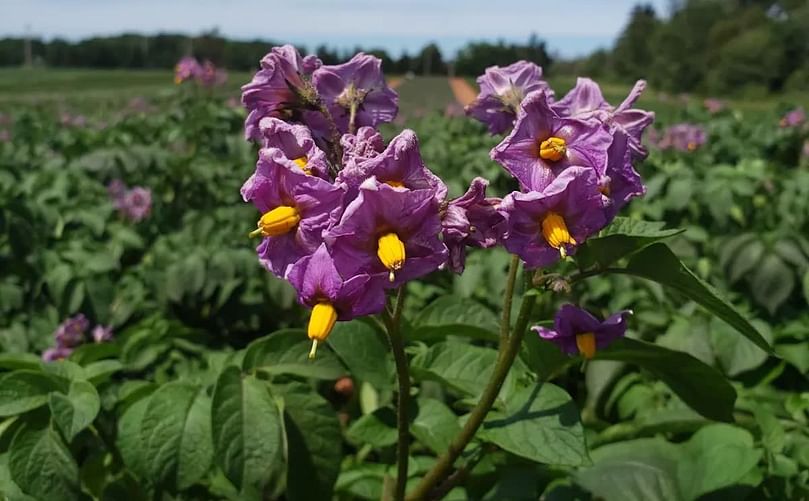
[302,162]
[277,222]
[555,232]
[586,343]
[395,184]
[391,252]
[553,149]
[321,322]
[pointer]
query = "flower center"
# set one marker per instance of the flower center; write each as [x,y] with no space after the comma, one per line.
[391,252]
[512,98]
[555,232]
[552,149]
[395,184]
[586,343]
[321,322]
[302,162]
[277,222]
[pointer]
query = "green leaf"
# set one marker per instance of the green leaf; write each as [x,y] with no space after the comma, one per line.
[77,410]
[772,283]
[658,264]
[14,361]
[246,432]
[176,435]
[620,239]
[377,428]
[24,390]
[540,423]
[315,443]
[699,385]
[41,464]
[747,259]
[97,372]
[287,352]
[9,490]
[806,286]
[363,352]
[435,425]
[736,354]
[543,356]
[455,316]
[129,440]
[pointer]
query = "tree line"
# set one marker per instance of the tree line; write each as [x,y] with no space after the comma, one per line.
[163,51]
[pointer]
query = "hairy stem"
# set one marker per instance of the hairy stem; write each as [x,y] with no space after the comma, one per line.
[479,412]
[393,324]
[335,150]
[505,320]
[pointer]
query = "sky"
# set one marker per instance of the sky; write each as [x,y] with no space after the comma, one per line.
[571,28]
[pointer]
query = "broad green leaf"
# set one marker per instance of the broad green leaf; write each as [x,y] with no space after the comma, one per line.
[97,372]
[772,283]
[746,259]
[658,264]
[365,354]
[377,428]
[287,352]
[435,425]
[540,423]
[176,435]
[129,440]
[91,352]
[75,411]
[41,464]
[9,490]
[24,390]
[315,443]
[806,286]
[621,238]
[14,361]
[699,385]
[455,316]
[542,356]
[248,445]
[737,354]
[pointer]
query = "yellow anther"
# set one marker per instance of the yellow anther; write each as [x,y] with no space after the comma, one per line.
[395,184]
[302,162]
[321,322]
[391,252]
[552,149]
[586,343]
[692,146]
[277,222]
[555,232]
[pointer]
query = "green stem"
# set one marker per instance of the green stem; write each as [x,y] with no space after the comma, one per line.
[479,412]
[393,324]
[505,320]
[336,151]
[352,118]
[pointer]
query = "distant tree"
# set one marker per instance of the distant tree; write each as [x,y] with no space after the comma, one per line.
[431,61]
[633,54]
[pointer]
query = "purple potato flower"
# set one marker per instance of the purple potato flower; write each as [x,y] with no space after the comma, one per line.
[388,232]
[501,92]
[295,209]
[71,332]
[621,182]
[793,118]
[310,63]
[576,331]
[102,333]
[713,105]
[5,136]
[186,68]
[211,76]
[137,203]
[683,137]
[56,353]
[359,84]
[471,220]
[293,147]
[542,226]
[582,101]
[364,145]
[542,145]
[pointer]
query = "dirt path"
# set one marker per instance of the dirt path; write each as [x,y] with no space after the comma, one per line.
[395,82]
[464,93]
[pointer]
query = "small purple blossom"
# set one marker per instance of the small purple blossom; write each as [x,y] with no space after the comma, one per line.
[70,333]
[683,137]
[542,145]
[501,92]
[56,353]
[471,220]
[713,105]
[102,333]
[5,136]
[793,118]
[576,331]
[187,68]
[137,204]
[358,84]
[211,76]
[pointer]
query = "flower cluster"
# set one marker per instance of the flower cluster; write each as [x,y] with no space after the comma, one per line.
[205,73]
[682,137]
[572,158]
[134,203]
[73,332]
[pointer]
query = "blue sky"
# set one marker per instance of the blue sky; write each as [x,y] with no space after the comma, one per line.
[571,28]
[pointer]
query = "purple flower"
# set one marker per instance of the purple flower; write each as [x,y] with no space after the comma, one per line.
[116,189]
[357,84]
[542,145]
[793,118]
[577,331]
[71,332]
[713,105]
[542,226]
[473,220]
[400,166]
[281,89]
[56,353]
[137,203]
[582,101]
[388,232]
[683,137]
[364,145]
[293,147]
[5,136]
[295,209]
[310,64]
[627,122]
[621,182]
[186,68]
[501,92]
[211,76]
[102,333]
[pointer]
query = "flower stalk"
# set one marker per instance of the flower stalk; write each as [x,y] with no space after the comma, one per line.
[393,326]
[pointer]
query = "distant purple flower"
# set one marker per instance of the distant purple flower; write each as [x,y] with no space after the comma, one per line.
[295,209]
[137,203]
[71,332]
[576,331]
[683,137]
[56,353]
[357,83]
[471,220]
[281,89]
[542,145]
[713,105]
[293,147]
[116,190]
[388,232]
[542,226]
[102,333]
[793,118]
[69,120]
[211,76]
[5,136]
[501,92]
[139,104]
[186,68]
